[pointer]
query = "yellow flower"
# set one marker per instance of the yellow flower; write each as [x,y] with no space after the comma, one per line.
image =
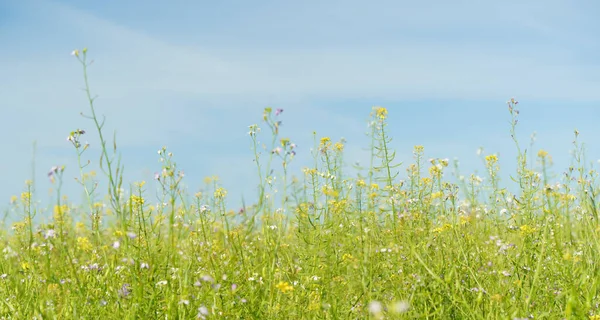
[137,200]
[325,144]
[84,244]
[220,193]
[53,287]
[436,195]
[542,153]
[381,113]
[465,219]
[25,196]
[284,287]
[443,228]
[497,298]
[418,149]
[527,230]
[339,146]
[347,257]
[361,183]
[19,226]
[435,171]
[491,159]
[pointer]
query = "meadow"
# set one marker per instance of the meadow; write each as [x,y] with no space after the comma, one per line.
[396,241]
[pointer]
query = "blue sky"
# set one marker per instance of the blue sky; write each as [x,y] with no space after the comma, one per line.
[193,75]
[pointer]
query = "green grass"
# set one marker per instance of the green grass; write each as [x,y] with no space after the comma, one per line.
[398,241]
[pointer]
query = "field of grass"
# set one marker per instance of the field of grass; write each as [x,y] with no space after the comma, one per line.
[394,242]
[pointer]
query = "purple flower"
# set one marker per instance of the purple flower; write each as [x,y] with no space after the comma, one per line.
[53,170]
[50,233]
[125,290]
[278,111]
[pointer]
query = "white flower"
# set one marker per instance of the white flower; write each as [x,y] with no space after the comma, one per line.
[400,307]
[202,312]
[375,307]
[161,283]
[50,234]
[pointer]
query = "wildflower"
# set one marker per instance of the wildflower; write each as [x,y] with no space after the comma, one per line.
[284,287]
[526,230]
[202,312]
[55,170]
[324,144]
[375,308]
[417,150]
[84,244]
[278,111]
[381,113]
[75,53]
[116,245]
[400,307]
[220,193]
[254,129]
[491,159]
[144,265]
[50,233]
[161,283]
[276,150]
[125,290]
